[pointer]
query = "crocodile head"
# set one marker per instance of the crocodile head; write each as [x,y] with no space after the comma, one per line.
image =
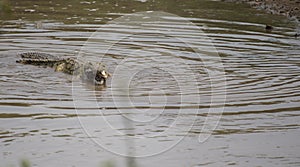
[96,73]
[101,76]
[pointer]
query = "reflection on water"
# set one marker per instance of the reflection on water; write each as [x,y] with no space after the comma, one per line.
[43,112]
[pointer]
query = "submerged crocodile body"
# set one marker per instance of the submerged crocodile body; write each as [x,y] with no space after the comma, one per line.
[88,71]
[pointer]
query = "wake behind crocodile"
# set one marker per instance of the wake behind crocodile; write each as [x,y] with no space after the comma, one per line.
[93,72]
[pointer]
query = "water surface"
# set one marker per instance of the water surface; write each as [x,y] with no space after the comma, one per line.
[53,120]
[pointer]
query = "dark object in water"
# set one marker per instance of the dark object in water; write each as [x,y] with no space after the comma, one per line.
[88,71]
[297,35]
[269,28]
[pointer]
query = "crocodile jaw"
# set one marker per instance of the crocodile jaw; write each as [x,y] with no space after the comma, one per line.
[101,82]
[101,76]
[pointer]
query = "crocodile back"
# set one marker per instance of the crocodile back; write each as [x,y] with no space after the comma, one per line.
[69,66]
[38,56]
[39,59]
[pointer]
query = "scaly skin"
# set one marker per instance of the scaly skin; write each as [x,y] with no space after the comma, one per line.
[91,72]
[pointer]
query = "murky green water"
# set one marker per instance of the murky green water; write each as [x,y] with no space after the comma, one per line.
[167,84]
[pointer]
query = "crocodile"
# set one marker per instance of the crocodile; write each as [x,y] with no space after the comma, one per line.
[92,72]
